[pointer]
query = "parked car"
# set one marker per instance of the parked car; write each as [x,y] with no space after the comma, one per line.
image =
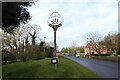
[77,55]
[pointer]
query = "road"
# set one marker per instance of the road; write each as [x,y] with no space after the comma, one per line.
[103,68]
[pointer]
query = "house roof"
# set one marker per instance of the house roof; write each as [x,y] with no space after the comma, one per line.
[93,43]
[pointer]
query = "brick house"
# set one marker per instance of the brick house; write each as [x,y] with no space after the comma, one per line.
[91,48]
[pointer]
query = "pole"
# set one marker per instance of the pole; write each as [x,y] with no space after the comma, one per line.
[55,48]
[55,24]
[55,43]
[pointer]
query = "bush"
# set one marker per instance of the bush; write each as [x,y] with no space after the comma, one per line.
[42,55]
[24,56]
[110,53]
[118,51]
[82,50]
[49,51]
[7,57]
[31,52]
[100,54]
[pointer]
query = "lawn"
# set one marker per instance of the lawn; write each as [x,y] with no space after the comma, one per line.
[107,58]
[44,69]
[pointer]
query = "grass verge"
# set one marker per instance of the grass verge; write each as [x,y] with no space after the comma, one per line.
[44,69]
[115,59]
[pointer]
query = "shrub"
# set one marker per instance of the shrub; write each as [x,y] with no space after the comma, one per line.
[49,51]
[82,50]
[42,55]
[31,52]
[7,57]
[100,54]
[24,57]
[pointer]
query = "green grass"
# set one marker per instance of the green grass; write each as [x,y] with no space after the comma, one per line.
[107,58]
[44,69]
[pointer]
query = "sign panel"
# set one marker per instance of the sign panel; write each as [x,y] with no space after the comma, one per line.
[55,19]
[54,60]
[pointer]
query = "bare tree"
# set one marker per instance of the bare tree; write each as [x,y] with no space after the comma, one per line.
[6,41]
[94,39]
[16,37]
[50,44]
[94,36]
[26,41]
[33,37]
[32,30]
[1,32]
[11,40]
[73,46]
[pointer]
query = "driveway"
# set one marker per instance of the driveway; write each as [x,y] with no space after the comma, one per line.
[103,68]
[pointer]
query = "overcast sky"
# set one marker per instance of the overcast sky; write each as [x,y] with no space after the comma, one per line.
[80,17]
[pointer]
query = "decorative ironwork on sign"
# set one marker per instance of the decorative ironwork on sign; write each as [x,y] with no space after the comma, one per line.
[55,20]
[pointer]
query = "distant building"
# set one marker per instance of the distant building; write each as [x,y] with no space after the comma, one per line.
[57,54]
[82,47]
[91,48]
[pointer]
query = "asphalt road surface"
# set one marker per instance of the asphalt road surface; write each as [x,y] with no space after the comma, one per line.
[103,68]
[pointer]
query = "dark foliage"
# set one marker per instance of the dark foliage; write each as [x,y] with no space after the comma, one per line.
[118,46]
[7,57]
[100,54]
[49,51]
[41,43]
[112,42]
[13,13]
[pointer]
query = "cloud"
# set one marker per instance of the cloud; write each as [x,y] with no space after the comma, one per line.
[79,18]
[78,0]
